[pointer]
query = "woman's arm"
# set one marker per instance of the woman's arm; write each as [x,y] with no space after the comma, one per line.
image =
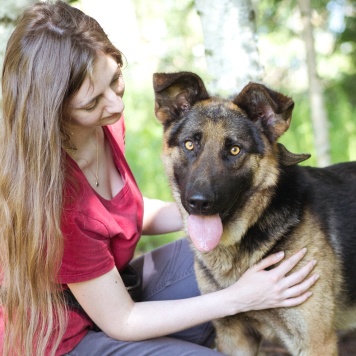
[107,302]
[160,217]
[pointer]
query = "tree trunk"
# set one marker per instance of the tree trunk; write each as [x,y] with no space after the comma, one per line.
[230,44]
[316,99]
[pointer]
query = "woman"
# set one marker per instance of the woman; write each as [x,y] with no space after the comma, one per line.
[71,212]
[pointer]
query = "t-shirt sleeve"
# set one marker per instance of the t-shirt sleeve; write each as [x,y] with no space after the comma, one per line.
[86,252]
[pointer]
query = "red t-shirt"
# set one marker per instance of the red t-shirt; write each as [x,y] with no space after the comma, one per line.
[98,233]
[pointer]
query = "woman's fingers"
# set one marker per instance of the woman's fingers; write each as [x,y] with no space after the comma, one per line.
[299,293]
[293,289]
[269,261]
[300,275]
[291,302]
[277,287]
[287,265]
[301,288]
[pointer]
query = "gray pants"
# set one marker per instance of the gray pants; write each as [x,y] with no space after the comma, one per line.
[168,273]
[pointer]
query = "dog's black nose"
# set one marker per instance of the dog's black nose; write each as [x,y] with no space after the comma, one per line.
[200,204]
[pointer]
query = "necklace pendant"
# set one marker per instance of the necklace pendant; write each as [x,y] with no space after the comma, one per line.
[96,183]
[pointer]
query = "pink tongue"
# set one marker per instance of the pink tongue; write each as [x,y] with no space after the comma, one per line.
[205,231]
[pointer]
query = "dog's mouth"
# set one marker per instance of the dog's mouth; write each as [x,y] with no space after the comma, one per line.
[205,231]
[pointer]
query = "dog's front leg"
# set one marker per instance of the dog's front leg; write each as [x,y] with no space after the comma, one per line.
[235,337]
[317,346]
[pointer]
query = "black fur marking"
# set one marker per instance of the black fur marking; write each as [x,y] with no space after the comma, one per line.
[237,199]
[252,333]
[332,198]
[173,139]
[208,274]
[240,127]
[280,217]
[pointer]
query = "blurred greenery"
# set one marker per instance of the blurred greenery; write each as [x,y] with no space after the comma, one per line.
[144,133]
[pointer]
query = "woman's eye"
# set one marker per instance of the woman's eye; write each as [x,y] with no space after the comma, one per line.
[91,106]
[235,150]
[189,145]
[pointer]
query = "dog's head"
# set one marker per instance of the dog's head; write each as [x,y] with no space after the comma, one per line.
[218,153]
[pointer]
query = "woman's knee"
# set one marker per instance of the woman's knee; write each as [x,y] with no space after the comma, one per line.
[98,343]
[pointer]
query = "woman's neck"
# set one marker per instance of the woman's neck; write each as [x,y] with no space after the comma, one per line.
[82,139]
[88,146]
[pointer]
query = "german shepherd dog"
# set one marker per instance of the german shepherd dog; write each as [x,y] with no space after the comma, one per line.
[243,196]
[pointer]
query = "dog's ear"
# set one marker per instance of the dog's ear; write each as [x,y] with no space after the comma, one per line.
[288,158]
[176,93]
[271,110]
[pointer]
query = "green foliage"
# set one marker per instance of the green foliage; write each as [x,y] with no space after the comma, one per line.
[300,139]
[342,118]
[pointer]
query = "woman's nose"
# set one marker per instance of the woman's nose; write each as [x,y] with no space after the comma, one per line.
[114,102]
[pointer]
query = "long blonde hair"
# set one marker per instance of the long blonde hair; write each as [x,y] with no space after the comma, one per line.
[48,56]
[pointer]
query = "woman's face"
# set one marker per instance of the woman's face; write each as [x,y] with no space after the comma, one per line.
[99,100]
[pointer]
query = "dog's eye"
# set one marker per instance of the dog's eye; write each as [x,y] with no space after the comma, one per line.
[235,150]
[189,145]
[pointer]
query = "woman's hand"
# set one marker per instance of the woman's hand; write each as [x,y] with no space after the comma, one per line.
[260,289]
